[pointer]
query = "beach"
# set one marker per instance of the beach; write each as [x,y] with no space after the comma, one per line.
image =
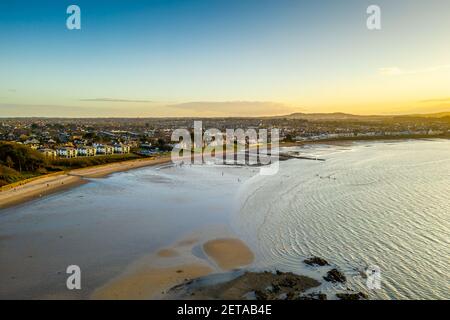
[52,183]
[47,184]
[168,266]
[140,233]
[134,234]
[151,277]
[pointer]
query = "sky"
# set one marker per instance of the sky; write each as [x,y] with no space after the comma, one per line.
[223,58]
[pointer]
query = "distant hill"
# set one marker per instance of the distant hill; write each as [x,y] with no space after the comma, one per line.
[330,116]
[335,116]
[431,115]
[340,116]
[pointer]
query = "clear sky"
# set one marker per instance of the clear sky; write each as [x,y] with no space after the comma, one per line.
[223,57]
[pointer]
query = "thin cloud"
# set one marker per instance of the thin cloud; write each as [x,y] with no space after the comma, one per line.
[116,100]
[396,71]
[233,108]
[440,100]
[30,110]
[190,109]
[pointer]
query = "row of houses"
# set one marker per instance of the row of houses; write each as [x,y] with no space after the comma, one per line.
[85,151]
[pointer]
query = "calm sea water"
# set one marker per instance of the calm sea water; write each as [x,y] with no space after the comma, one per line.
[383,204]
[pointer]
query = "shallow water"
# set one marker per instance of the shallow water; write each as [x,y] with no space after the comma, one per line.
[382,204]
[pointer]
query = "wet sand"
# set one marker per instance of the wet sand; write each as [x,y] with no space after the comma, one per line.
[228,253]
[48,184]
[53,183]
[38,188]
[104,170]
[151,277]
[166,253]
[149,282]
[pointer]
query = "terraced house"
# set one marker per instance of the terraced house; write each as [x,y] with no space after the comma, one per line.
[121,148]
[67,152]
[87,151]
[104,149]
[49,153]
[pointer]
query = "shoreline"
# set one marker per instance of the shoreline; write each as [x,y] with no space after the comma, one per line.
[49,184]
[343,141]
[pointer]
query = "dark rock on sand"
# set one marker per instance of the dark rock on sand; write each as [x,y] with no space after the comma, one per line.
[334,275]
[249,285]
[313,296]
[316,261]
[262,295]
[352,296]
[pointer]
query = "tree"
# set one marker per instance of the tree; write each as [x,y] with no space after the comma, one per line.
[9,162]
[89,135]
[21,157]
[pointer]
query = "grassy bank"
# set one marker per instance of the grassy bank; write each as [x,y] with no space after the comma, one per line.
[84,162]
[19,163]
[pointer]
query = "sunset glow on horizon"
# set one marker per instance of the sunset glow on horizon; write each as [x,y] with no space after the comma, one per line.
[223,58]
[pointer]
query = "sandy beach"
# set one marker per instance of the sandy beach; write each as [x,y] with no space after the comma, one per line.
[148,282]
[151,277]
[208,251]
[38,188]
[49,184]
[228,253]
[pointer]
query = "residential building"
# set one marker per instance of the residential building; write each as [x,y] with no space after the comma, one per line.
[49,153]
[32,143]
[104,149]
[121,148]
[66,152]
[87,151]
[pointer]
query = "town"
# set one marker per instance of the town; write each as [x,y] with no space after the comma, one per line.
[70,138]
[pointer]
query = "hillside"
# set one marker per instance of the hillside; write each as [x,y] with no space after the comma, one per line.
[340,116]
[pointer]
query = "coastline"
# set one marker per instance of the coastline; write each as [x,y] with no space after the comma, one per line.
[171,263]
[49,184]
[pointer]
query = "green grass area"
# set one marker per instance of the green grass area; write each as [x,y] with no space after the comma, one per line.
[83,162]
[9,175]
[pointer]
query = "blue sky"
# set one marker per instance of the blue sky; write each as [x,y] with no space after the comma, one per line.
[145,58]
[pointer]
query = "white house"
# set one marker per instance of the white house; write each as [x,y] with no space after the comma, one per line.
[104,149]
[66,152]
[49,153]
[86,151]
[32,143]
[121,148]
